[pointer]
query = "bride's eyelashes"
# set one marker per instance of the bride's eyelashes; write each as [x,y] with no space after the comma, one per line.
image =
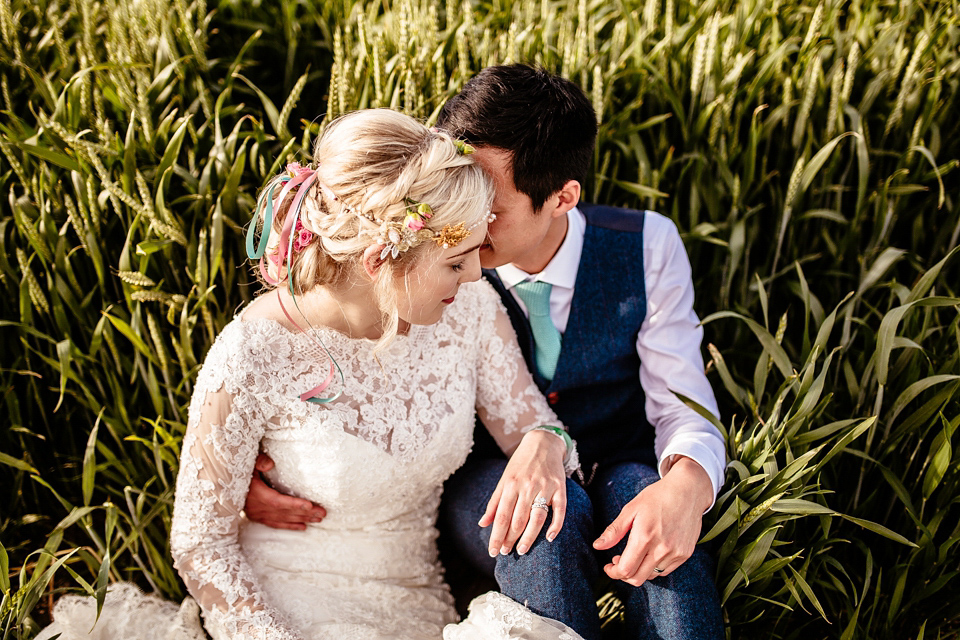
[458,267]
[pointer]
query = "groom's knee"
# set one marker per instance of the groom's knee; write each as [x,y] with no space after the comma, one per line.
[578,527]
[555,578]
[464,500]
[575,537]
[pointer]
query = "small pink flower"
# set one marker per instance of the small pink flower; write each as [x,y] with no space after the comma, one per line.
[413,222]
[304,237]
[295,169]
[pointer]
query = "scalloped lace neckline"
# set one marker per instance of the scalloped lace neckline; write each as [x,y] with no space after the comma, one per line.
[417,331]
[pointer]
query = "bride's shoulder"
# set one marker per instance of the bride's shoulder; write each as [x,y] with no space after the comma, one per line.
[263,310]
[262,319]
[250,335]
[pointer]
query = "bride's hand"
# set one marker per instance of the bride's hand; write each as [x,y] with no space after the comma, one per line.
[535,469]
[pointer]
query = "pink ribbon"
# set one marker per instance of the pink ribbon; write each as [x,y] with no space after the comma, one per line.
[292,238]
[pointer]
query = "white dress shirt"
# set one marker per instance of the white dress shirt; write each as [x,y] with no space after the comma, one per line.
[668,342]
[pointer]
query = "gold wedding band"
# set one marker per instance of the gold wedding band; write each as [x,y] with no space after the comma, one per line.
[658,570]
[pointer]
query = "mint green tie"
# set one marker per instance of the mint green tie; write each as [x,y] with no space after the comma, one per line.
[536,297]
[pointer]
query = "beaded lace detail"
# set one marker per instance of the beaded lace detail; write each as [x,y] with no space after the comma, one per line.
[375,459]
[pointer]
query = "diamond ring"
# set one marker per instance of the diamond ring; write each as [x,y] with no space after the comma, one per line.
[540,503]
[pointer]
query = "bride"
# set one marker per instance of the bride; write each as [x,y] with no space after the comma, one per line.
[359,372]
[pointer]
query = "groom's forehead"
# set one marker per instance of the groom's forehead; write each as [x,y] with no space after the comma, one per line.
[498,163]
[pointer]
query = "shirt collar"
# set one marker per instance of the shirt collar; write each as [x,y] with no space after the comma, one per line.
[561,271]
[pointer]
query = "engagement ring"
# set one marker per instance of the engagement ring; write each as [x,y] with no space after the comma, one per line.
[540,503]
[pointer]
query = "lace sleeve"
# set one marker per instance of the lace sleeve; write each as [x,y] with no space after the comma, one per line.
[220,447]
[508,401]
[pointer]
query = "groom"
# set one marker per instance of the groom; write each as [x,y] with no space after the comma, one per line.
[602,302]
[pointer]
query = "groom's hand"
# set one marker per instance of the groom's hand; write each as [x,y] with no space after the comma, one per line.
[663,523]
[268,506]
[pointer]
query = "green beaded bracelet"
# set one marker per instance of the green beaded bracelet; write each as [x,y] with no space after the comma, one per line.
[557,431]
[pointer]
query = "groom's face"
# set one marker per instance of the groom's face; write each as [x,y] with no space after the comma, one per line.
[518,231]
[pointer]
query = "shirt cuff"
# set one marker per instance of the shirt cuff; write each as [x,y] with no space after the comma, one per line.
[702,455]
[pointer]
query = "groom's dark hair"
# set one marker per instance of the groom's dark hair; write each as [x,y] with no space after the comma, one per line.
[545,122]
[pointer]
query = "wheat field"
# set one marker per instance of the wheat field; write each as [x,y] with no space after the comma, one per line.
[808,151]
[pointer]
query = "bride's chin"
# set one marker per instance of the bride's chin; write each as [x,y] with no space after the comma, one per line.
[423,319]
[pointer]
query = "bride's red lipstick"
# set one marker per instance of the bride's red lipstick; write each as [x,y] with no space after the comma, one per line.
[448,300]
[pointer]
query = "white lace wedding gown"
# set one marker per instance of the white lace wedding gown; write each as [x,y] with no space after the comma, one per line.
[376,459]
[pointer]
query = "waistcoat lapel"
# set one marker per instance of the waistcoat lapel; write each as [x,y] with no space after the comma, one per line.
[520,324]
[608,297]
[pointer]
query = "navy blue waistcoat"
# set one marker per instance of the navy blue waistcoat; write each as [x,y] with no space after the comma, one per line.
[596,388]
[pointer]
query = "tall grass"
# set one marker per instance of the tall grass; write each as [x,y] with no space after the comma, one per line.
[804,149]
[130,164]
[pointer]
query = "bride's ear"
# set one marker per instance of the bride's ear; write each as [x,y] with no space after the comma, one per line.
[372,261]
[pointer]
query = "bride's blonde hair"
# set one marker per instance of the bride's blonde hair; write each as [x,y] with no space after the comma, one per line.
[372,167]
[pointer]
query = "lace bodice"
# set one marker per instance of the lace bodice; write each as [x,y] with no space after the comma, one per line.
[375,458]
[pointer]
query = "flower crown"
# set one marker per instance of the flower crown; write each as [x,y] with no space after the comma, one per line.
[400,236]
[396,236]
